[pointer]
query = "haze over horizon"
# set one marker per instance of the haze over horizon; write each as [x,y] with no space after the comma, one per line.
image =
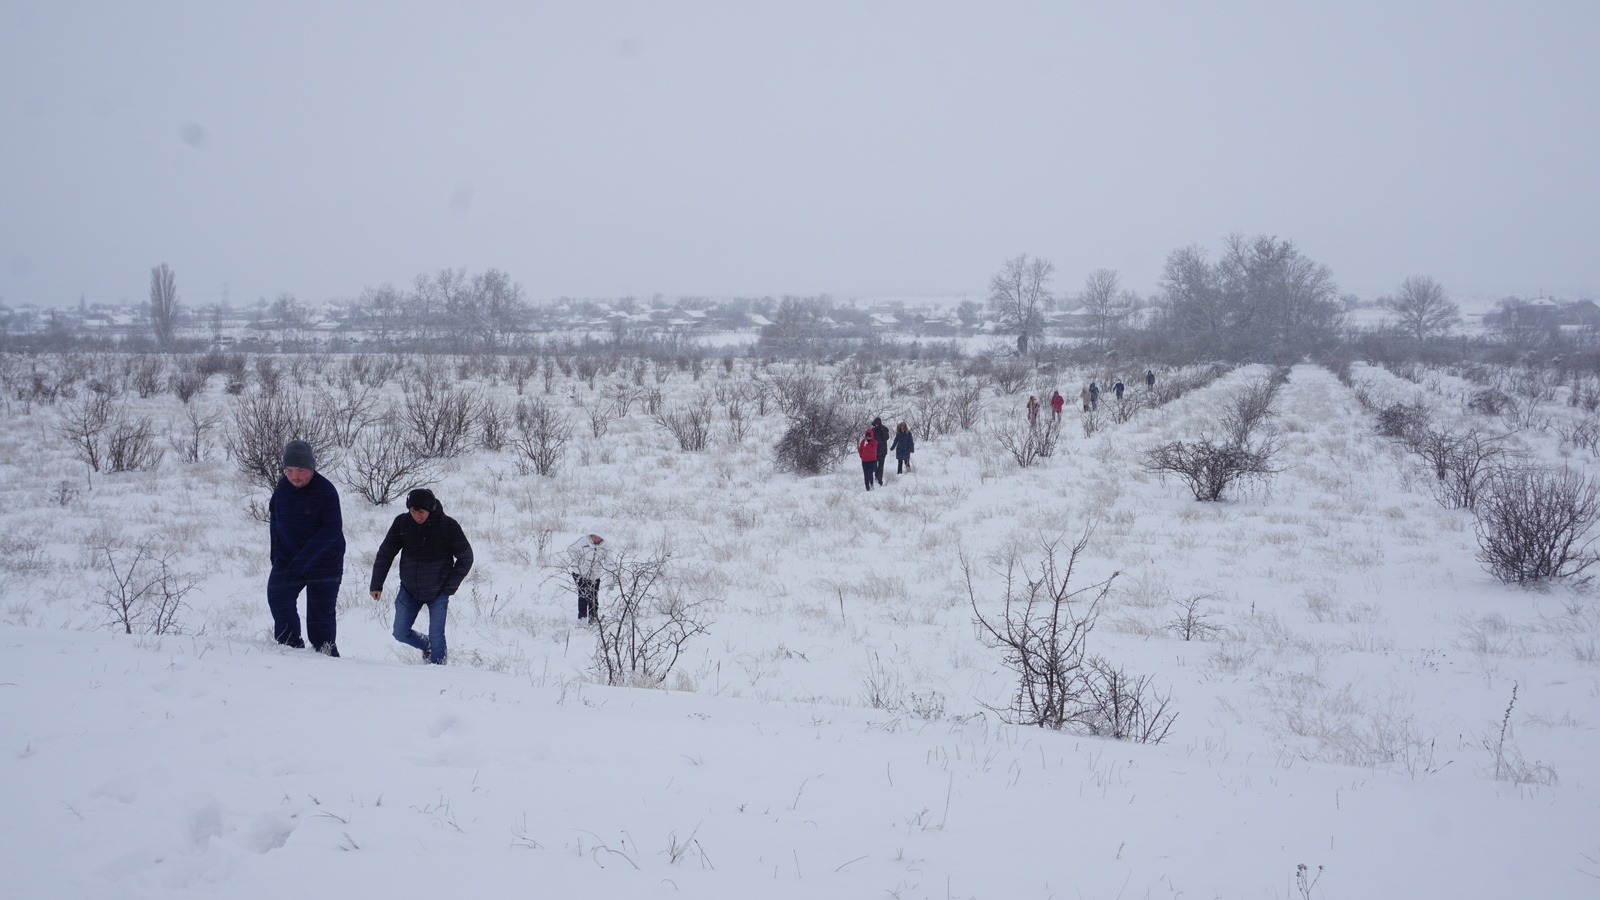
[610,149]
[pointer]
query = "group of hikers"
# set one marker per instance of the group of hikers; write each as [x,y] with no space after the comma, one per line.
[435,556]
[874,449]
[307,536]
[1089,396]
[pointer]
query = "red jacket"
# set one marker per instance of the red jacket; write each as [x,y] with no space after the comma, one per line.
[1057,401]
[868,448]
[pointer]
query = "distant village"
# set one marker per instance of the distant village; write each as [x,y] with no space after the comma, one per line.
[287,323]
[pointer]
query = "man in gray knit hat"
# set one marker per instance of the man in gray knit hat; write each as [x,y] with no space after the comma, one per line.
[307,552]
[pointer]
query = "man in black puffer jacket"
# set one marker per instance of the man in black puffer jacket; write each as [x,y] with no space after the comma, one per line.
[434,559]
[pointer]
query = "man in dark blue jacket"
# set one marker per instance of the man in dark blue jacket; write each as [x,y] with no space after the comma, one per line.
[434,559]
[307,552]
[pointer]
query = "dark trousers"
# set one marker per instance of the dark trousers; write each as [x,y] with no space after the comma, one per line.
[322,604]
[588,596]
[902,464]
[879,471]
[869,469]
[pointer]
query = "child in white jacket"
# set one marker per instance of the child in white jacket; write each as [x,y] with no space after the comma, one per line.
[587,559]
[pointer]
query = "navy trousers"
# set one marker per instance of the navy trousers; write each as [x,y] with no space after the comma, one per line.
[322,601]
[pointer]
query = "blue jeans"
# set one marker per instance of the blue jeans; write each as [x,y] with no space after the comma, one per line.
[406,609]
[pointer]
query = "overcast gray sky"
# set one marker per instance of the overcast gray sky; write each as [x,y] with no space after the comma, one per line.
[609,148]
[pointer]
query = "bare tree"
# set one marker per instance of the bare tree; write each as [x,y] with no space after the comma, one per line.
[163,305]
[1018,294]
[1104,305]
[1422,309]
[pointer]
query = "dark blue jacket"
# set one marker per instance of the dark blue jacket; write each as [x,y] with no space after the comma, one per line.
[903,445]
[307,530]
[434,556]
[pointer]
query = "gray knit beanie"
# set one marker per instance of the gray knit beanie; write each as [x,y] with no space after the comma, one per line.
[297,454]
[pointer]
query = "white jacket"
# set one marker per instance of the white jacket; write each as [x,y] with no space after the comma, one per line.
[587,558]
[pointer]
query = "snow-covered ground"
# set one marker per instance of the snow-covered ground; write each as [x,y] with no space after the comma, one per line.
[833,735]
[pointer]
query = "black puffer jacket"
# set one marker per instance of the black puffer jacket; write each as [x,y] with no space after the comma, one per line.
[434,556]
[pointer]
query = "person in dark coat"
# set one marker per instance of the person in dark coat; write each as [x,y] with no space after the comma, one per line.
[867,449]
[903,447]
[880,433]
[1094,395]
[307,552]
[1149,378]
[1117,389]
[435,558]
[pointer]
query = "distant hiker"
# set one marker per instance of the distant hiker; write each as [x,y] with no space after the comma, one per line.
[587,557]
[1094,395]
[307,552]
[1056,403]
[1117,389]
[1084,396]
[903,447]
[880,433]
[1033,409]
[867,449]
[434,559]
[1149,378]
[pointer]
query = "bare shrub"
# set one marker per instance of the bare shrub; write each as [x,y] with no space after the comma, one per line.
[1122,410]
[263,424]
[1462,462]
[386,463]
[600,411]
[1403,422]
[1042,629]
[1191,624]
[142,594]
[1092,421]
[1124,707]
[1533,524]
[1249,409]
[494,425]
[821,432]
[1209,467]
[1028,441]
[441,414]
[1010,376]
[347,411]
[541,437]
[131,446]
[642,632]
[188,385]
[84,422]
[689,424]
[189,440]
[1491,402]
[144,375]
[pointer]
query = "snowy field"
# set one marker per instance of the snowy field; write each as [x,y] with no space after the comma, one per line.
[834,734]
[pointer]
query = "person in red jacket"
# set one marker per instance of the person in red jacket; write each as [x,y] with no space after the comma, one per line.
[1056,403]
[868,451]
